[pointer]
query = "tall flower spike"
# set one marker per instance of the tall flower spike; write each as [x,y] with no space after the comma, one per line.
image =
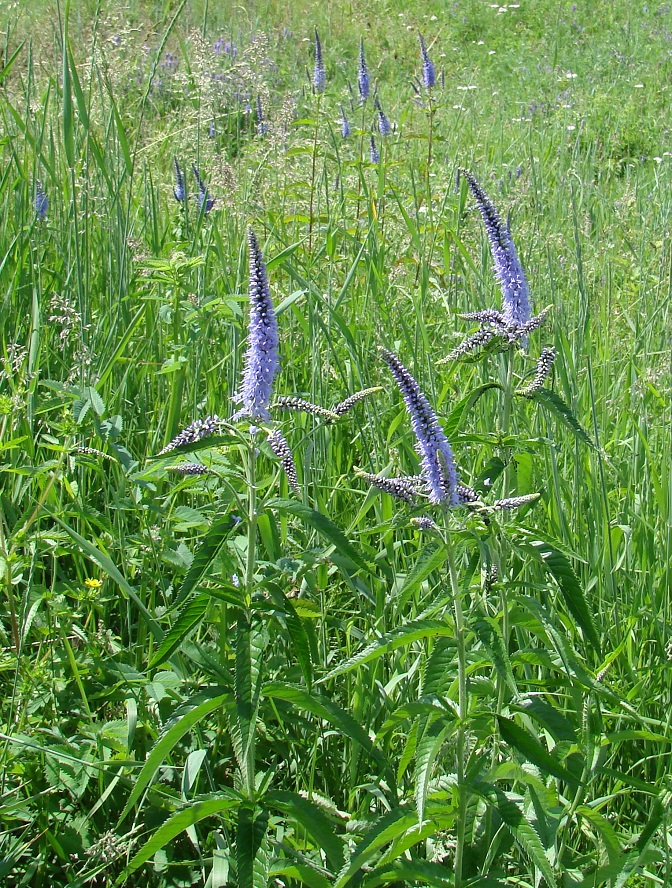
[345,126]
[200,428]
[205,202]
[516,305]
[428,73]
[319,74]
[179,189]
[543,368]
[262,126]
[261,358]
[374,153]
[281,449]
[363,81]
[438,465]
[41,202]
[384,127]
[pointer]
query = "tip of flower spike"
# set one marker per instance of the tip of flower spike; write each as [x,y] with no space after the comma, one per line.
[515,502]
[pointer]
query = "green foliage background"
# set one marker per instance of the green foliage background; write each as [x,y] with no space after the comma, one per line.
[126,647]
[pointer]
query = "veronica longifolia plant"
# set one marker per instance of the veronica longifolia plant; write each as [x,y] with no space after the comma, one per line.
[438,465]
[515,320]
[261,358]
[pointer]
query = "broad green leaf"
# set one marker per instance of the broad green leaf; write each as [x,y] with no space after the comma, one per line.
[219,531]
[510,810]
[326,527]
[323,707]
[405,635]
[533,751]
[165,744]
[313,819]
[177,823]
[463,406]
[556,405]
[559,567]
[411,872]
[428,748]
[190,615]
[387,828]
[431,558]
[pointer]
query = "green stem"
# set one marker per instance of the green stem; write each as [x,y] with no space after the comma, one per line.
[312,174]
[463,710]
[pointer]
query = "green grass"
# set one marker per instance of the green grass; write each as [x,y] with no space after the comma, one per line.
[209,681]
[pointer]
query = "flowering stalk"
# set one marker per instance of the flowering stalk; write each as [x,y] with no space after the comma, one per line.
[516,303]
[319,74]
[205,201]
[363,81]
[384,127]
[281,449]
[179,189]
[261,358]
[428,72]
[438,465]
[41,202]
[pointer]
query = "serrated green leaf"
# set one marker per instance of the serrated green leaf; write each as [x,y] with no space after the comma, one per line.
[428,748]
[533,751]
[387,828]
[324,708]
[326,527]
[165,744]
[511,811]
[313,819]
[405,635]
[297,632]
[431,558]
[556,405]
[487,632]
[558,565]
[177,823]
[219,531]
[463,406]
[190,615]
[407,872]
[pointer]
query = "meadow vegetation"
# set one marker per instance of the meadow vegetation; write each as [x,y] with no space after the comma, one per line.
[392,609]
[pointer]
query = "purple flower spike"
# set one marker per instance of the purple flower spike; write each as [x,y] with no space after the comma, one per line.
[41,202]
[262,126]
[384,127]
[261,358]
[516,305]
[205,201]
[363,81]
[319,74]
[179,189]
[438,465]
[345,126]
[428,73]
[374,152]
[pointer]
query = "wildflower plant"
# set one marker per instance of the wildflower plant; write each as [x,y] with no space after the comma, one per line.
[292,671]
